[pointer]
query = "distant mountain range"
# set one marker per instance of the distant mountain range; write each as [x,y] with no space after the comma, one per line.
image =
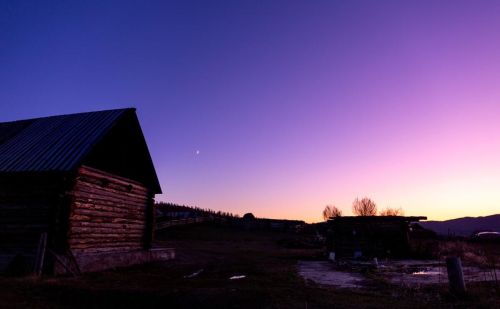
[464,226]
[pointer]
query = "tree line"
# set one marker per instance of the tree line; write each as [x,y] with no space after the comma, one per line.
[361,207]
[167,206]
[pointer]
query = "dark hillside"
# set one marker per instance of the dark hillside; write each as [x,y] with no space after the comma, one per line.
[464,226]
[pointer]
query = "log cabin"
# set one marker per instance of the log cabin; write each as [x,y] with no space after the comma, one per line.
[76,193]
[370,236]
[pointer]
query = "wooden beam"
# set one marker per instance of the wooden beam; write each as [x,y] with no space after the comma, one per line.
[40,255]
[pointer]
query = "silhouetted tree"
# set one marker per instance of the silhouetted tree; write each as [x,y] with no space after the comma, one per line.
[331,211]
[364,207]
[392,212]
[248,216]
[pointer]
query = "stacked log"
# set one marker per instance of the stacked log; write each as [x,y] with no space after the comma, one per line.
[108,213]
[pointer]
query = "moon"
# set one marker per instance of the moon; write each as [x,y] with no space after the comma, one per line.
[197,152]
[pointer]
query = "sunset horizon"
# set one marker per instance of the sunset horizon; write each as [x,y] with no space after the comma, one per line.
[281,108]
[249,154]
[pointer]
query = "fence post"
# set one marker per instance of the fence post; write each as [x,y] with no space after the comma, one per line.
[455,275]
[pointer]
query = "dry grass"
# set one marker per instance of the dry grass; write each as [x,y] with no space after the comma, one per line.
[271,282]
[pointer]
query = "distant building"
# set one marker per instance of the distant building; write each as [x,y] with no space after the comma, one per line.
[370,236]
[76,192]
[250,222]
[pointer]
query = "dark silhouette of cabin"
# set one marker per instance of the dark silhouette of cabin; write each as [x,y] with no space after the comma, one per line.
[76,193]
[370,236]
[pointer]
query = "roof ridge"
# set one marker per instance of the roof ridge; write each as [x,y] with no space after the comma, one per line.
[71,114]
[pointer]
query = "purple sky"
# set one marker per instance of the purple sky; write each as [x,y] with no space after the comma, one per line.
[292,104]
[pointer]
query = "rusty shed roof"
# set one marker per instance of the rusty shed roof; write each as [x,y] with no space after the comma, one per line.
[60,143]
[376,219]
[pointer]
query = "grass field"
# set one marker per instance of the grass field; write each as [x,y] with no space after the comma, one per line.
[268,260]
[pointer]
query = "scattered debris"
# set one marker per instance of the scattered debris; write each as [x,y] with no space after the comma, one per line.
[194,274]
[331,256]
[427,273]
[237,277]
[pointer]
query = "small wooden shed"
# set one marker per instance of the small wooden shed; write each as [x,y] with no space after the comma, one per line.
[370,236]
[76,193]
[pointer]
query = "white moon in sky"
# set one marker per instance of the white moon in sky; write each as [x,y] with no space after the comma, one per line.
[197,152]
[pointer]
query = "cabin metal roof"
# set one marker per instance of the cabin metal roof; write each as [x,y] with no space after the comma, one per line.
[56,143]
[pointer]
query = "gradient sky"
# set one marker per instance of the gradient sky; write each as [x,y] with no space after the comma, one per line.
[292,104]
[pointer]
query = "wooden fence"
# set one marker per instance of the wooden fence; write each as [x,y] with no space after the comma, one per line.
[169,223]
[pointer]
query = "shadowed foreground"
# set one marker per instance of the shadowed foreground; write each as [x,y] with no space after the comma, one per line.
[269,262]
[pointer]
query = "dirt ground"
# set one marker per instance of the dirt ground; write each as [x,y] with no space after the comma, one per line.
[199,277]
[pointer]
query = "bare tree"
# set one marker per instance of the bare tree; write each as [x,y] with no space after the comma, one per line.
[331,211]
[392,212]
[364,207]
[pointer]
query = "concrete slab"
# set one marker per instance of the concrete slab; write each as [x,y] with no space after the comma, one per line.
[92,262]
[323,272]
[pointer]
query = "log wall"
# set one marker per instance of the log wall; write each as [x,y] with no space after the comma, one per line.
[27,208]
[108,213]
